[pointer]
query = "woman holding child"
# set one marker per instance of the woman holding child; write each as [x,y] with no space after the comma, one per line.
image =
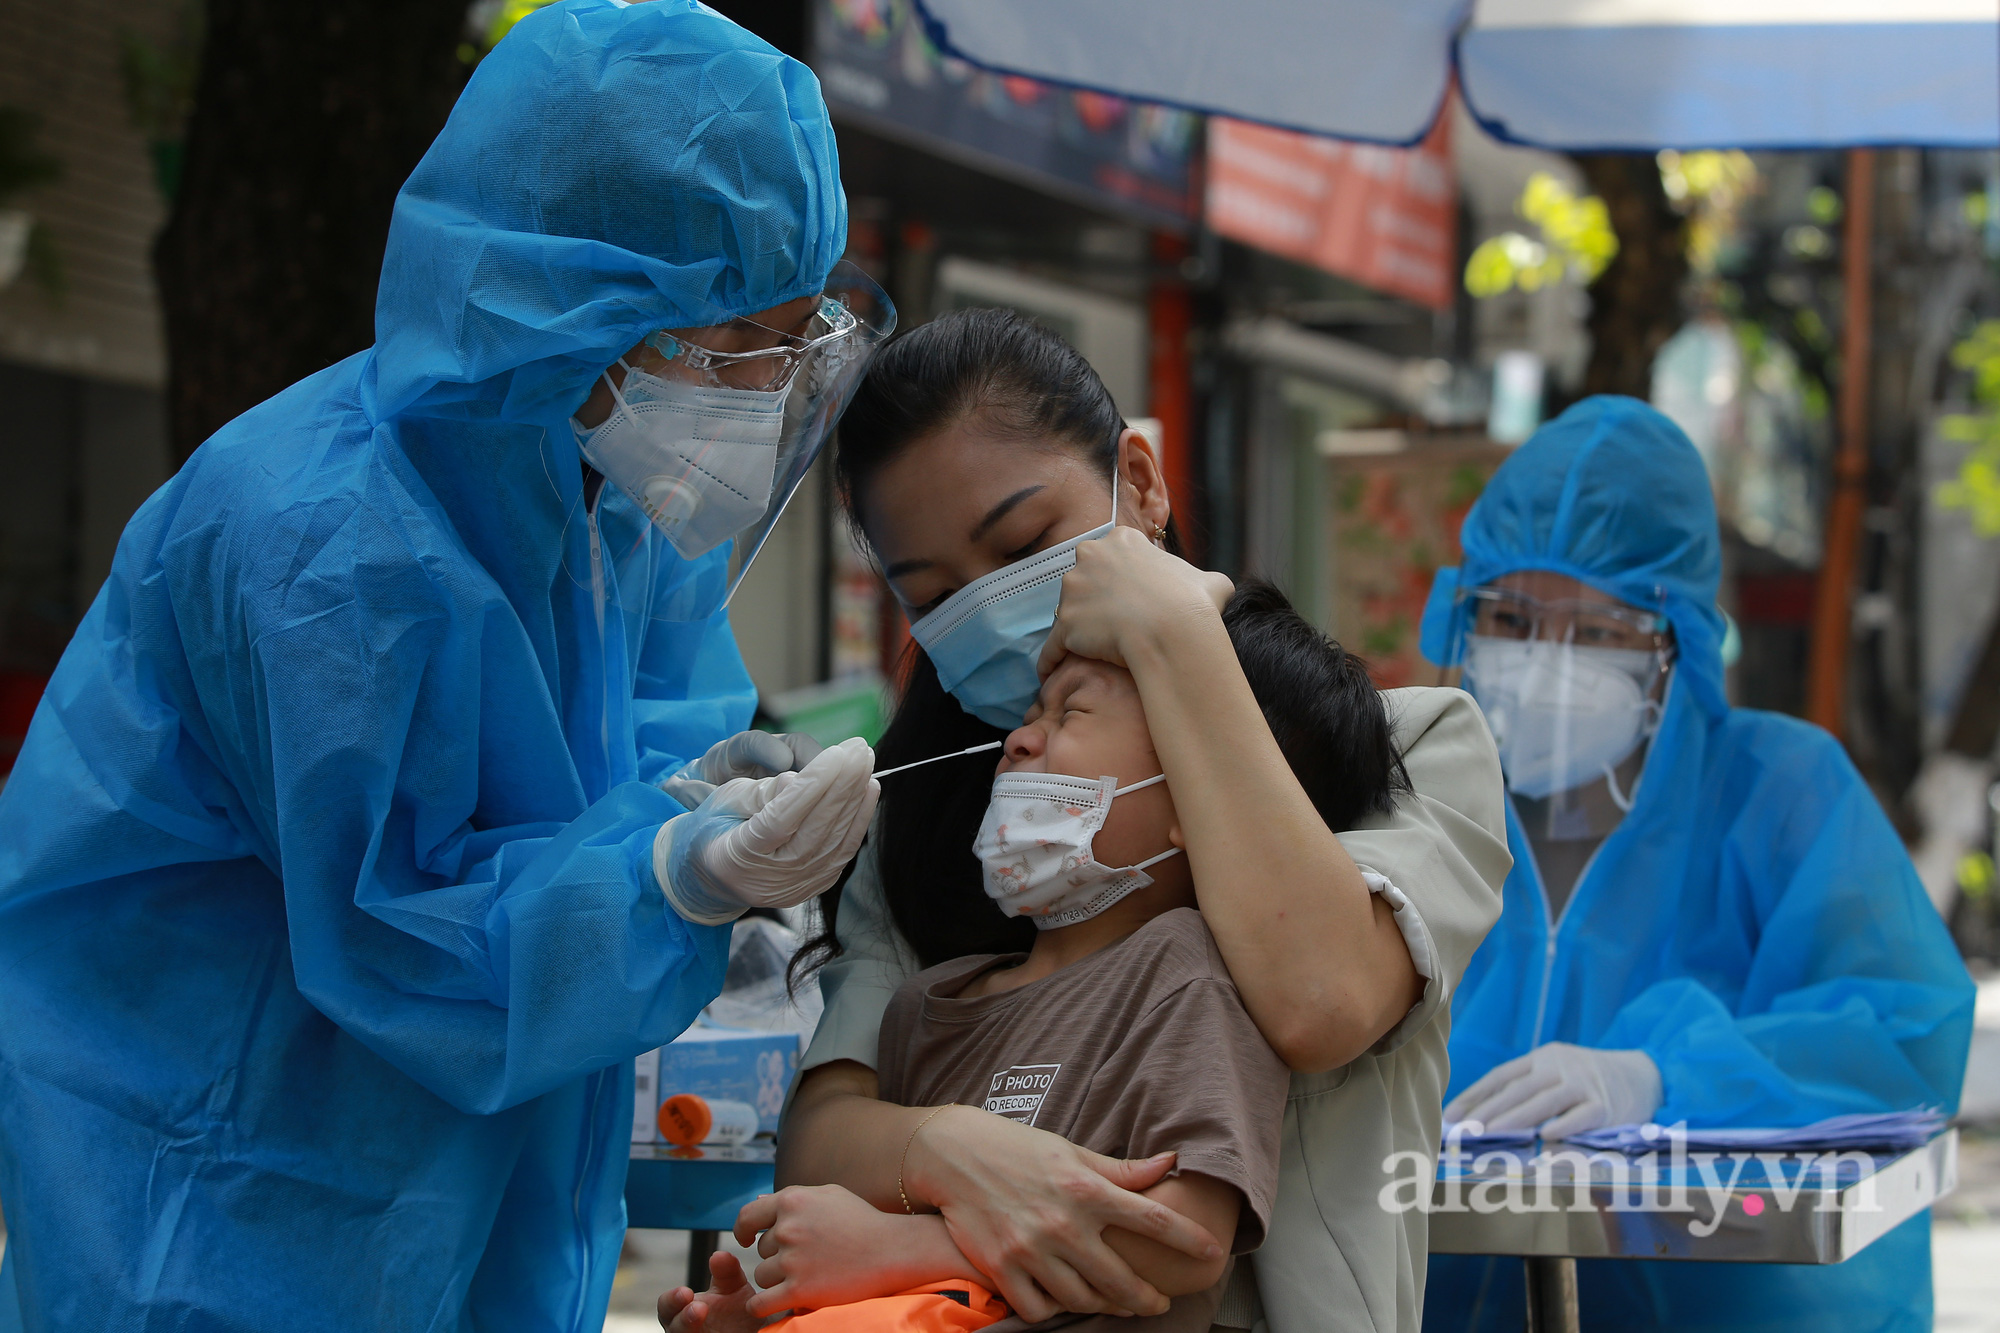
[1302,1014]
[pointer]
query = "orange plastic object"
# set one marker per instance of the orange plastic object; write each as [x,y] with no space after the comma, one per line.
[685,1119]
[940,1307]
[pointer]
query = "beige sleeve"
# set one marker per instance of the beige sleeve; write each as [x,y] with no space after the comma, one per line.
[856,985]
[1442,856]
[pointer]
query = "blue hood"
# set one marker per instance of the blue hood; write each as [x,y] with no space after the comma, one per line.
[1613,494]
[608,171]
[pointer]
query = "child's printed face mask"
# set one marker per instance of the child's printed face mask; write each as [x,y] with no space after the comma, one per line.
[1034,847]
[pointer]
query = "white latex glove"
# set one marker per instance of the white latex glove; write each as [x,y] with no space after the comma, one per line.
[768,842]
[1560,1089]
[747,754]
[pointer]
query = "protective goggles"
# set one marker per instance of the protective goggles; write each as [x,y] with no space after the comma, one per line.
[765,368]
[708,446]
[1502,613]
[1571,690]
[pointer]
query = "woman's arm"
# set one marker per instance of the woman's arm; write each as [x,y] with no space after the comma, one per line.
[1028,1207]
[1319,960]
[839,1132]
[1210,1202]
[836,1130]
[821,1245]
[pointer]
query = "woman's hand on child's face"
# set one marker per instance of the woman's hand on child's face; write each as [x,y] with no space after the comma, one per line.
[1029,1209]
[723,1308]
[1123,589]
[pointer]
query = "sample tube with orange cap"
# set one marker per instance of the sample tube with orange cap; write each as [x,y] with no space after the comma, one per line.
[688,1119]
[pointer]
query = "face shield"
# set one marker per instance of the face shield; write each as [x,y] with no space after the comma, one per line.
[708,444]
[1572,689]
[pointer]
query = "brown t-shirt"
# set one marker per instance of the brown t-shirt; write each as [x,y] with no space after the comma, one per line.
[1139,1048]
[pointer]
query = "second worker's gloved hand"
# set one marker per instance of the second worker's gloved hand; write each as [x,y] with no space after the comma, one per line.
[1560,1089]
[768,842]
[747,754]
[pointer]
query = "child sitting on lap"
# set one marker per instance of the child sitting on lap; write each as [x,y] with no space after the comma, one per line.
[1121,1029]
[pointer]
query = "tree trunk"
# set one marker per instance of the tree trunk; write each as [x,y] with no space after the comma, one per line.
[307,119]
[1635,304]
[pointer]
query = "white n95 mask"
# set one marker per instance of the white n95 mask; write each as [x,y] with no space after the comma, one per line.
[1562,715]
[699,460]
[1034,847]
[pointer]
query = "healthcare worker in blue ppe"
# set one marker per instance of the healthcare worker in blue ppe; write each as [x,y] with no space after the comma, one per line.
[338,886]
[1709,918]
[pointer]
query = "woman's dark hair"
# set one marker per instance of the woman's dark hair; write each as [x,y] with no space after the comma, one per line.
[1018,378]
[1329,720]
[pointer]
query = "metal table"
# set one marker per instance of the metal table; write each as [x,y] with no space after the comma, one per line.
[1555,1204]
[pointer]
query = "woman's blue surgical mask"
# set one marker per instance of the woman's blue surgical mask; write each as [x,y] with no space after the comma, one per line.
[986,638]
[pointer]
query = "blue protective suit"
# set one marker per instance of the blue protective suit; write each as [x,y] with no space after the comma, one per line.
[328,927]
[1753,924]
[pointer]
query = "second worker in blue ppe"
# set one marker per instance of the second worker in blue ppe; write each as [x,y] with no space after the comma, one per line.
[1709,919]
[338,883]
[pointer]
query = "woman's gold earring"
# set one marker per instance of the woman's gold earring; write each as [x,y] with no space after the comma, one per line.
[1159,532]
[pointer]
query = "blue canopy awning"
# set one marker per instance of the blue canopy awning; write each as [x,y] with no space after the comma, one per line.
[1376,69]
[1572,74]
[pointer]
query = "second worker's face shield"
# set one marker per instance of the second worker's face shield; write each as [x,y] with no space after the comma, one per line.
[712,429]
[1573,687]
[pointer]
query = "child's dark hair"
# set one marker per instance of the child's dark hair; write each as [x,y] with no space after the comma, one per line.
[1020,379]
[1329,720]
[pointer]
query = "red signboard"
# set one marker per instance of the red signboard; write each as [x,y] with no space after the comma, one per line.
[1383,217]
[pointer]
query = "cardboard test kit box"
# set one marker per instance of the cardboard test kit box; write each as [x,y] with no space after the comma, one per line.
[712,1094]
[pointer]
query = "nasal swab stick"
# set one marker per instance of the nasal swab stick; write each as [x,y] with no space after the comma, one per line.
[970,749]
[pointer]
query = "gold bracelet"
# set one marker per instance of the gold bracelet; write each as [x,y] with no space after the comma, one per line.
[907,1144]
